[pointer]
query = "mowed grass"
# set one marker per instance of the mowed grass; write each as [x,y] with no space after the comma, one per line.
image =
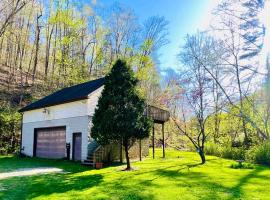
[179,176]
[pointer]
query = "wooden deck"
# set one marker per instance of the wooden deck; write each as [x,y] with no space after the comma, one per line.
[159,115]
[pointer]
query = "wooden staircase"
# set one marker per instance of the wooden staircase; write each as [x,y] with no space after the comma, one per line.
[97,153]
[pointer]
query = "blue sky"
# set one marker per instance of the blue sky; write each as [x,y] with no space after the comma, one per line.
[184,16]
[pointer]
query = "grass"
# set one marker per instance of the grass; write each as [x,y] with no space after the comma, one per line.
[179,176]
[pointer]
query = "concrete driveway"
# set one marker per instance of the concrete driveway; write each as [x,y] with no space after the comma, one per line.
[30,172]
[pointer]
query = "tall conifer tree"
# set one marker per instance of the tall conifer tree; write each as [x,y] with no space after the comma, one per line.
[119,115]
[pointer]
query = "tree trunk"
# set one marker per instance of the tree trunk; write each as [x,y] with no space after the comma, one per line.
[54,50]
[127,155]
[48,47]
[36,47]
[201,153]
[121,151]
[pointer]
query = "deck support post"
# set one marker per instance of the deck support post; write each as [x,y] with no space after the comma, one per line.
[163,140]
[153,141]
[121,151]
[140,149]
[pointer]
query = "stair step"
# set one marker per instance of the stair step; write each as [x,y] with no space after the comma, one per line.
[88,161]
[88,164]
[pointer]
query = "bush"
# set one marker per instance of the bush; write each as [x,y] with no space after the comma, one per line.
[212,149]
[233,153]
[260,154]
[242,166]
[10,124]
[229,152]
[250,154]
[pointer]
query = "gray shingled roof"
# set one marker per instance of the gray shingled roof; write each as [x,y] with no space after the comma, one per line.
[69,94]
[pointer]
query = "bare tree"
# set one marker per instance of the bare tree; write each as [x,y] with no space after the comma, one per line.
[197,90]
[244,16]
[155,32]
[123,31]
[37,39]
[242,33]
[49,34]
[227,91]
[8,10]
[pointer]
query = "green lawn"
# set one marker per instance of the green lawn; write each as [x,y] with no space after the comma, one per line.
[177,177]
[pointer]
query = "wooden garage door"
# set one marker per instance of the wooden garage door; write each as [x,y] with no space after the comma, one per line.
[51,143]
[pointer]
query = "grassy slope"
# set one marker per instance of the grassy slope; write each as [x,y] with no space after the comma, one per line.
[176,177]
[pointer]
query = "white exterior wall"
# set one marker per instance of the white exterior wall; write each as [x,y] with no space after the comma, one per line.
[75,116]
[66,110]
[73,125]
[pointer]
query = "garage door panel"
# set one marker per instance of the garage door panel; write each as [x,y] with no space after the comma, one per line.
[51,143]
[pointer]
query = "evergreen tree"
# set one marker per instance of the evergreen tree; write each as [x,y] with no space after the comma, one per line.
[119,114]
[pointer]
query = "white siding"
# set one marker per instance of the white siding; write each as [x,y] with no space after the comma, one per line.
[66,110]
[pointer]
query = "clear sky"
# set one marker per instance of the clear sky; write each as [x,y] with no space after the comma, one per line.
[184,16]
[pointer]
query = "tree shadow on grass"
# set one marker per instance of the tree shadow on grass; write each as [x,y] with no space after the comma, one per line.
[121,190]
[28,187]
[48,184]
[12,163]
[198,181]
[128,187]
[237,190]
[206,186]
[60,183]
[143,187]
[198,184]
[182,166]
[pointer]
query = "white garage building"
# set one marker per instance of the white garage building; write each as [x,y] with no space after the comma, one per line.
[59,120]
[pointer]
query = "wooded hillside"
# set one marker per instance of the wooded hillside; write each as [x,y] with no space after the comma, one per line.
[47,45]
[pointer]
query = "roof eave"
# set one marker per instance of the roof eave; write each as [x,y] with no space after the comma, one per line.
[25,109]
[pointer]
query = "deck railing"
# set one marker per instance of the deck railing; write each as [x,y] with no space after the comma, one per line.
[101,153]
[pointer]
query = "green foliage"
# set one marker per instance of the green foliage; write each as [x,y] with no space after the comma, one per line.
[260,154]
[241,165]
[146,73]
[257,154]
[119,114]
[10,121]
[235,153]
[211,148]
[230,130]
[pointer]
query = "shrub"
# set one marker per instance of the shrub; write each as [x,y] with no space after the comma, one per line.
[250,154]
[260,154]
[10,121]
[225,151]
[212,149]
[257,154]
[233,153]
[242,166]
